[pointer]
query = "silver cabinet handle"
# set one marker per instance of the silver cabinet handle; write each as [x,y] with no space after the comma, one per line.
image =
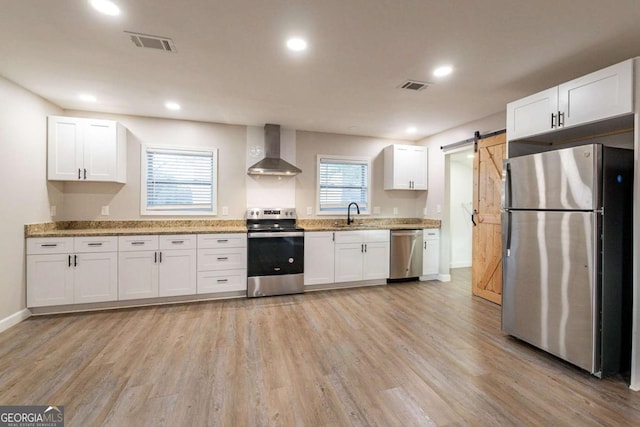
[85,174]
[177,242]
[48,245]
[222,280]
[223,240]
[137,243]
[95,244]
[78,173]
[223,258]
[75,260]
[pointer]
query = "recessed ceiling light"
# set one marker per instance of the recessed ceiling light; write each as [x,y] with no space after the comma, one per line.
[105,6]
[445,70]
[297,44]
[87,98]
[411,130]
[172,105]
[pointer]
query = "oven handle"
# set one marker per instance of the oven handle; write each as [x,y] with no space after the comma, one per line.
[276,234]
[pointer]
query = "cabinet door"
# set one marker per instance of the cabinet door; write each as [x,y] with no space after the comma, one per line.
[376,261]
[96,277]
[532,115]
[137,275]
[64,150]
[348,262]
[402,165]
[600,95]
[177,272]
[431,257]
[318,258]
[100,150]
[418,168]
[49,280]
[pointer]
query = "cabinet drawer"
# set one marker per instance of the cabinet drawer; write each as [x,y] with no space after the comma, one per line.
[214,241]
[95,244]
[377,236]
[222,259]
[431,234]
[138,243]
[222,281]
[178,241]
[354,236]
[49,245]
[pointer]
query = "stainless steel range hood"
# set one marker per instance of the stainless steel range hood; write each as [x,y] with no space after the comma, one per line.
[272,164]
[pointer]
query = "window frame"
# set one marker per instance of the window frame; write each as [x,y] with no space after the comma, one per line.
[144,210]
[355,159]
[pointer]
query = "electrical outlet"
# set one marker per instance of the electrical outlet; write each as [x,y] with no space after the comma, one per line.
[104,210]
[395,211]
[376,210]
[424,211]
[52,210]
[438,208]
[225,210]
[309,210]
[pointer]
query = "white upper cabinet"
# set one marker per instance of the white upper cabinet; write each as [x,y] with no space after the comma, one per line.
[532,115]
[82,149]
[405,167]
[597,96]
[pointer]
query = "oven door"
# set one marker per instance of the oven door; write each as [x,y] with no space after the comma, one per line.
[275,253]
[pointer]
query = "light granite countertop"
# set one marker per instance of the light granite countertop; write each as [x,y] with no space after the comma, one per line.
[122,228]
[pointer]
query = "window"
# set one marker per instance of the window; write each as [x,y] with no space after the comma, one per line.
[342,180]
[178,181]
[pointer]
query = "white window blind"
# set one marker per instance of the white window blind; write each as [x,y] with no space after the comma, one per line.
[180,181]
[342,181]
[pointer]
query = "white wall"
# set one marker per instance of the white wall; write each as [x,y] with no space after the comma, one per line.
[23,185]
[83,200]
[438,184]
[310,144]
[461,183]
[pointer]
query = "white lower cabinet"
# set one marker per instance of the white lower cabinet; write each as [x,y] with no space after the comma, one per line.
[70,270]
[431,252]
[49,280]
[361,255]
[222,263]
[177,265]
[319,257]
[157,266]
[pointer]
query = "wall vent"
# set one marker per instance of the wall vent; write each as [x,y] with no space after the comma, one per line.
[414,85]
[152,42]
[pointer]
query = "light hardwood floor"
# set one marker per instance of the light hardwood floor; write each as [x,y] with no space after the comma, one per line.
[404,354]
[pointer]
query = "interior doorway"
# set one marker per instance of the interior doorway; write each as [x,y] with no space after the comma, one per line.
[460,207]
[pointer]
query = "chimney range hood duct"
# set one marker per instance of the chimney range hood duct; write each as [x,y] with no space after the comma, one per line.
[272,164]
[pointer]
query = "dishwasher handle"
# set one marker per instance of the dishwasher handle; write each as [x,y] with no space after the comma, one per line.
[406,233]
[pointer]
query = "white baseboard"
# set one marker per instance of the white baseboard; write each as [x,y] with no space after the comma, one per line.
[461,264]
[14,319]
[444,277]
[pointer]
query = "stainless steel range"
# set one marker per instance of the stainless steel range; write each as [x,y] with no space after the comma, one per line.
[275,255]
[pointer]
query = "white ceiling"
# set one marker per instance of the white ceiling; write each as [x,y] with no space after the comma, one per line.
[231,65]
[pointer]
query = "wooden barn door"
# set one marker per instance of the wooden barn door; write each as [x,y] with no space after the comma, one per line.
[486,271]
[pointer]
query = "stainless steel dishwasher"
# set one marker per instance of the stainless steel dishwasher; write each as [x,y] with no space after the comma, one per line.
[406,254]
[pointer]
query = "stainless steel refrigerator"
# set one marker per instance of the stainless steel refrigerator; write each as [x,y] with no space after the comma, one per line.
[567,235]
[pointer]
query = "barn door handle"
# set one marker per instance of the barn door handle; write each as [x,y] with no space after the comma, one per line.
[473,219]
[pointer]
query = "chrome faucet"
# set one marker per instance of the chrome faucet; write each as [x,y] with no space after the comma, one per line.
[349,219]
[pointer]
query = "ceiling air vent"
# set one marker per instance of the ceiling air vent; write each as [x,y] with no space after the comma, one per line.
[414,85]
[152,42]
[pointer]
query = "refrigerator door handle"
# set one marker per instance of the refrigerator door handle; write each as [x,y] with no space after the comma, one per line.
[507,246]
[506,185]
